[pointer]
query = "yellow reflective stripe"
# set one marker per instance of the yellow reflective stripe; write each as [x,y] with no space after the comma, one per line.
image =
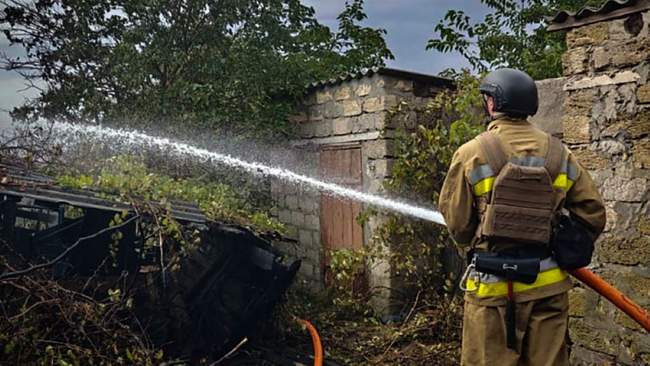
[563,182]
[501,288]
[483,186]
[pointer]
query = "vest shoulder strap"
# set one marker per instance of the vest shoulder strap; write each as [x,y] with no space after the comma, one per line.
[554,157]
[493,151]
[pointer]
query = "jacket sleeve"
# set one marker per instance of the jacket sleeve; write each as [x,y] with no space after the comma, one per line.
[583,199]
[456,202]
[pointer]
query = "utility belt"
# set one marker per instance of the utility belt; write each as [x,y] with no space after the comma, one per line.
[499,274]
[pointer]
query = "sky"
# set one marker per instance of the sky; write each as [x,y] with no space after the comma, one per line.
[409,25]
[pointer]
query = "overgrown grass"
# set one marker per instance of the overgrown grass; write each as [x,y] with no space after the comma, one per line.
[125,178]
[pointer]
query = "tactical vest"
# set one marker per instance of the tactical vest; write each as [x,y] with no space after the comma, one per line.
[520,208]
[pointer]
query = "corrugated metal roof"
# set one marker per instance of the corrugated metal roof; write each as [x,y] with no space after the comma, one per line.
[610,9]
[19,181]
[368,72]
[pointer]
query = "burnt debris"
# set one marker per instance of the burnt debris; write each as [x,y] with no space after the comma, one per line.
[224,289]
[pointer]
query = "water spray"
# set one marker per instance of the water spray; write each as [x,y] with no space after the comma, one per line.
[181,149]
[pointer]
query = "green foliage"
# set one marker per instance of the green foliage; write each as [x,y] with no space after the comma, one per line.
[347,269]
[124,178]
[512,34]
[422,159]
[234,65]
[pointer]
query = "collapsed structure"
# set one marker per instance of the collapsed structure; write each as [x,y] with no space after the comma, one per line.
[224,288]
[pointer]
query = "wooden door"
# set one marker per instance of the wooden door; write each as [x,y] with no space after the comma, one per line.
[338,225]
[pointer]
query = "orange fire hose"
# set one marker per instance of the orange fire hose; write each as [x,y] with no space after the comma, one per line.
[621,301]
[315,340]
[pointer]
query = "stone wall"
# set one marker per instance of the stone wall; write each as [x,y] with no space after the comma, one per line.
[351,112]
[607,125]
[551,106]
[298,208]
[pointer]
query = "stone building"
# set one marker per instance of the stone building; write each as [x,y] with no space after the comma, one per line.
[346,135]
[606,123]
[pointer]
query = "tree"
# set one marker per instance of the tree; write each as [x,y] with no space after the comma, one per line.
[512,34]
[233,64]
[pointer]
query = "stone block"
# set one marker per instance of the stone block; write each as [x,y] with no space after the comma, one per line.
[406,120]
[590,159]
[621,58]
[593,34]
[641,153]
[603,340]
[643,93]
[378,149]
[377,104]
[323,129]
[342,93]
[314,255]
[342,126]
[351,108]
[373,104]
[316,238]
[365,122]
[578,302]
[617,30]
[298,218]
[276,187]
[581,356]
[618,188]
[323,96]
[625,321]
[284,216]
[643,226]
[307,130]
[580,102]
[633,126]
[600,176]
[307,204]
[575,61]
[292,202]
[625,217]
[601,58]
[312,222]
[363,89]
[333,110]
[375,186]
[603,80]
[576,129]
[612,147]
[623,250]
[306,270]
[404,86]
[305,238]
[316,113]
[380,168]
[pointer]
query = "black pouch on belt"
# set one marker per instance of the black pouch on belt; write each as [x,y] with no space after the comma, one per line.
[513,269]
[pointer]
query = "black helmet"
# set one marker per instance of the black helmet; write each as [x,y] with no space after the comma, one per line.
[514,92]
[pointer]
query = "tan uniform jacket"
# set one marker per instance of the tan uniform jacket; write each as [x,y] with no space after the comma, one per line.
[470,177]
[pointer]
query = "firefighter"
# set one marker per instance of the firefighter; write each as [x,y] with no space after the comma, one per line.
[501,196]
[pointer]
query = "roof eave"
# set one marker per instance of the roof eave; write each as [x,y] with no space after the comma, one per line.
[571,22]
